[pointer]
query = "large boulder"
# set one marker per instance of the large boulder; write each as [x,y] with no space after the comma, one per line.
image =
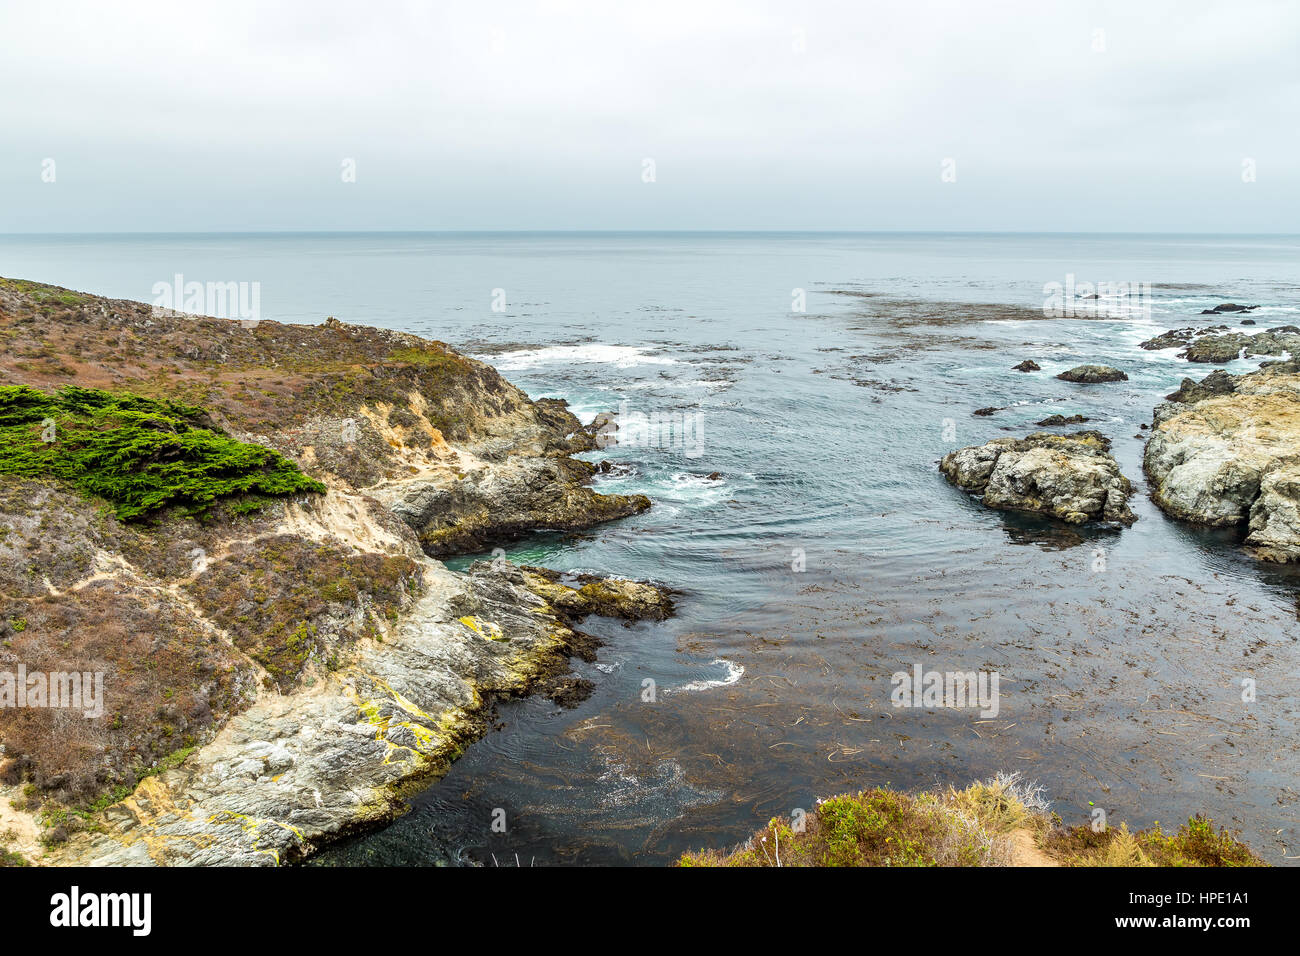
[1092,374]
[1229,455]
[1071,477]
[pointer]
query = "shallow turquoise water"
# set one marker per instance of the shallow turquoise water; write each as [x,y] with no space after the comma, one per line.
[1121,652]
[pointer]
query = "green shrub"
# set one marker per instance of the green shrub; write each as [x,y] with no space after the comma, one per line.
[137,453]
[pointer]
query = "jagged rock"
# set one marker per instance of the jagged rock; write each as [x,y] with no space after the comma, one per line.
[297,771]
[1224,348]
[1228,454]
[1092,374]
[607,597]
[473,510]
[1217,344]
[1028,365]
[1053,420]
[1217,382]
[1071,477]
[1178,338]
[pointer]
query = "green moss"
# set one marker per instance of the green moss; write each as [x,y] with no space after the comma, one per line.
[137,453]
[44,294]
[435,359]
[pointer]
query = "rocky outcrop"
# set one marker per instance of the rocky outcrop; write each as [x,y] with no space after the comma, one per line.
[1178,338]
[1224,348]
[1092,374]
[294,772]
[472,510]
[1028,365]
[583,594]
[1227,452]
[1071,477]
[1228,307]
[1217,345]
[1217,382]
[288,668]
[1054,420]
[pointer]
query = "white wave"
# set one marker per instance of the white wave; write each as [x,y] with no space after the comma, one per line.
[734,673]
[619,356]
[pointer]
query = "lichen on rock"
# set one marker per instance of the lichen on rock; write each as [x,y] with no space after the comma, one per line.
[1070,477]
[1224,452]
[250,565]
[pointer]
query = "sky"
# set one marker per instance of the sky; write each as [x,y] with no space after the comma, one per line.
[1041,115]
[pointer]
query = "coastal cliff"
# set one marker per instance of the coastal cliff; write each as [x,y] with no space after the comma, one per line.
[237,526]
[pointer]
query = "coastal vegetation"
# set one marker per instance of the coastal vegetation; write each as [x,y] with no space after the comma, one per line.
[231,523]
[999,822]
[137,453]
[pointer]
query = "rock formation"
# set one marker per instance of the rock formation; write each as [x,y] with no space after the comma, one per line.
[1226,452]
[283,658]
[1071,477]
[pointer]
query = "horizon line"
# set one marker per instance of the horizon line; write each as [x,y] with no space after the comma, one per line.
[577,231]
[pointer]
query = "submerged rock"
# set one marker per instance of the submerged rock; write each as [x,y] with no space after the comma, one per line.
[1227,453]
[1092,374]
[1071,477]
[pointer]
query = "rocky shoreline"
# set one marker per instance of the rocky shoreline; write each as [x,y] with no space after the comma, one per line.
[1221,452]
[284,657]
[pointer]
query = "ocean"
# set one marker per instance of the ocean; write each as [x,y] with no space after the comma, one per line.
[799,389]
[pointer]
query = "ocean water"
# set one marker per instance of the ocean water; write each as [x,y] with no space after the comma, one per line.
[821,377]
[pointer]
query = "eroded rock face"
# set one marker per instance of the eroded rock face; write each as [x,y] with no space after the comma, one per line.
[1092,374]
[1226,453]
[1071,477]
[295,772]
[583,594]
[309,662]
[457,514]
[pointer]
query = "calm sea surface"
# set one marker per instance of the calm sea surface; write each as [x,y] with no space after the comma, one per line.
[830,553]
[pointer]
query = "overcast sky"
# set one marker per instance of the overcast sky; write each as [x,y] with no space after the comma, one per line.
[1057,116]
